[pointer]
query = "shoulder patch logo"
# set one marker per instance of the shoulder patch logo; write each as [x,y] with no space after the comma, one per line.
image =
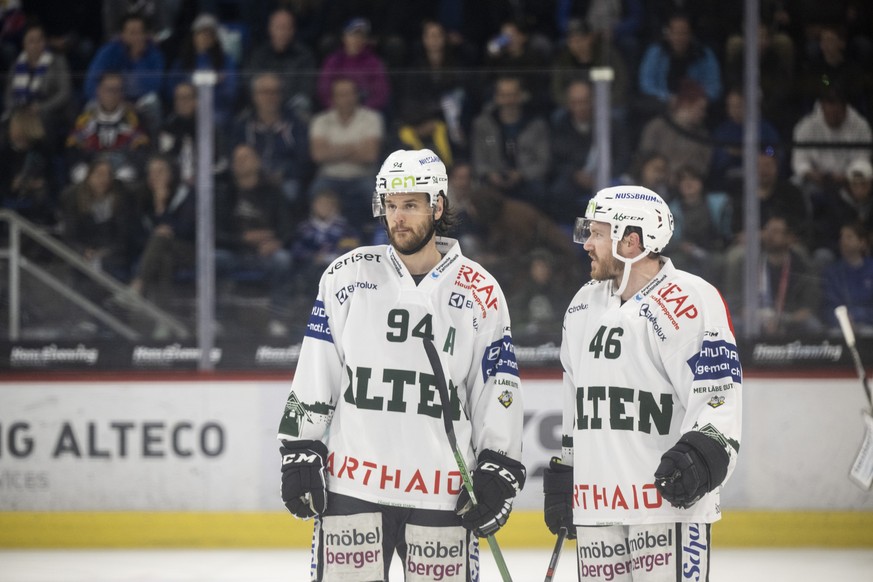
[715,401]
[505,398]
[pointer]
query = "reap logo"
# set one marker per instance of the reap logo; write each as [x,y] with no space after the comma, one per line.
[485,295]
[672,293]
[505,399]
[715,401]
[456,300]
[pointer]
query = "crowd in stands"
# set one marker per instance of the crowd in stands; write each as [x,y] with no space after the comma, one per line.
[99,137]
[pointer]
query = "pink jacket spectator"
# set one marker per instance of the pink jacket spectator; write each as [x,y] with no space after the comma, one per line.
[366,69]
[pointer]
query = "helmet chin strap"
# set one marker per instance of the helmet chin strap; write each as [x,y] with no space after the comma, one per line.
[625,276]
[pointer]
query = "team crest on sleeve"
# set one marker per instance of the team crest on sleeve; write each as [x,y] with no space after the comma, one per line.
[297,413]
[499,358]
[505,398]
[318,327]
[716,401]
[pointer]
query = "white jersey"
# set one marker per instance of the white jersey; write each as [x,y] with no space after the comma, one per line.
[637,377]
[364,384]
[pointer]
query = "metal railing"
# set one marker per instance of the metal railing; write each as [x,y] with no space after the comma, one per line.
[20,227]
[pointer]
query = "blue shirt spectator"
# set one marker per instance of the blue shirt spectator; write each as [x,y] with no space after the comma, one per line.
[135,56]
[849,280]
[679,56]
[202,51]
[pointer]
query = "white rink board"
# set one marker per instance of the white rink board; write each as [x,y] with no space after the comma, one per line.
[210,446]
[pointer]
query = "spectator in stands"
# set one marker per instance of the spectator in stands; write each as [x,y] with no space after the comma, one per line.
[538,301]
[776,64]
[821,170]
[252,228]
[435,78]
[681,136]
[510,144]
[790,288]
[582,52]
[422,127]
[178,135]
[344,143]
[99,217]
[355,60]
[202,50]
[463,187]
[159,13]
[620,24]
[702,223]
[167,211]
[574,154]
[777,197]
[727,156]
[510,229]
[139,61]
[650,170]
[679,56]
[285,55]
[108,125]
[832,65]
[849,281]
[277,134]
[40,80]
[320,239]
[25,184]
[511,53]
[853,203]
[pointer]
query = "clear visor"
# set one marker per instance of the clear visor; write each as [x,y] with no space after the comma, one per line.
[582,230]
[406,203]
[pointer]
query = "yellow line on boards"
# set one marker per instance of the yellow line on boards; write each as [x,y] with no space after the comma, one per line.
[279,530]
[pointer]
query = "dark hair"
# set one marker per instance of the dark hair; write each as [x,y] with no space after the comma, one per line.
[134,15]
[446,223]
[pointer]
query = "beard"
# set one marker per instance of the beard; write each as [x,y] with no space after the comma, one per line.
[410,239]
[606,268]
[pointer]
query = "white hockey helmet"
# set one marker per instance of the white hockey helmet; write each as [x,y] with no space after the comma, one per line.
[625,206]
[408,171]
[628,206]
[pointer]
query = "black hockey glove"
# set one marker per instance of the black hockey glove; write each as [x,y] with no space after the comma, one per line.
[695,465]
[496,480]
[304,490]
[558,497]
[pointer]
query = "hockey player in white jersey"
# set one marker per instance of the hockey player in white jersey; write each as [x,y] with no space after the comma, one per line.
[364,447]
[652,402]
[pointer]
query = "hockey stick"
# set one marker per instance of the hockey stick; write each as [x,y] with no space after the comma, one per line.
[556,554]
[443,388]
[862,469]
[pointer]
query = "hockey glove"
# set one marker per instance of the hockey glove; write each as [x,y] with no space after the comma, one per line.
[496,480]
[304,490]
[696,465]
[558,497]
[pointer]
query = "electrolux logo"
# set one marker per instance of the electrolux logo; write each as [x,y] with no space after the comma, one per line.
[345,292]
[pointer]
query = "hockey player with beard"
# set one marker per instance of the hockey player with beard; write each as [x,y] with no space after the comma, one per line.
[364,448]
[652,402]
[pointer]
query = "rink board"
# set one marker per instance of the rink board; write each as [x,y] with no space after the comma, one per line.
[123,463]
